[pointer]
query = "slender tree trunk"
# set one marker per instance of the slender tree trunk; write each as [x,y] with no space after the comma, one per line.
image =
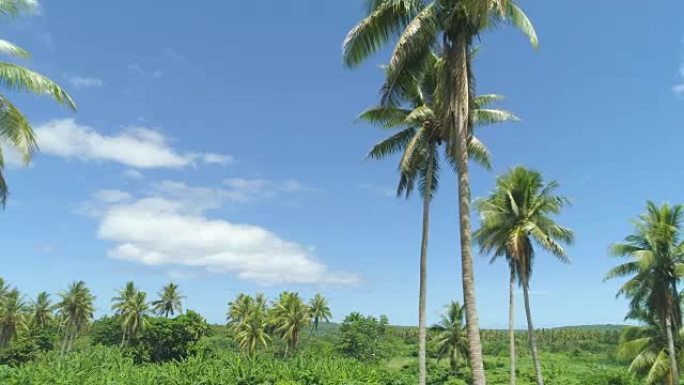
[511,324]
[422,296]
[671,349]
[123,339]
[459,57]
[532,338]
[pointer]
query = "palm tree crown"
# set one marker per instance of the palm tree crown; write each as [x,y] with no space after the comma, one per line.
[170,301]
[451,340]
[319,309]
[15,128]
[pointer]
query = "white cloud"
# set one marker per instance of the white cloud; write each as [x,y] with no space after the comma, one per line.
[139,70]
[85,82]
[137,147]
[220,159]
[112,196]
[133,174]
[169,228]
[678,89]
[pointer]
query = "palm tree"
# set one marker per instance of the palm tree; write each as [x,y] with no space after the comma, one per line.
[248,321]
[134,316]
[646,348]
[250,332]
[12,310]
[655,268]
[239,308]
[15,128]
[419,139]
[319,311]
[41,310]
[75,311]
[289,316]
[516,215]
[452,341]
[450,27]
[169,302]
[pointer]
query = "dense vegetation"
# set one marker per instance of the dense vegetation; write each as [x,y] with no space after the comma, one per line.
[286,340]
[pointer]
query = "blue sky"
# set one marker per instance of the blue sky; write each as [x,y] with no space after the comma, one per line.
[216,146]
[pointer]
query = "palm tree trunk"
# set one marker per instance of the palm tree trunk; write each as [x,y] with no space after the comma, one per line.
[532,338]
[458,55]
[422,296]
[123,338]
[671,349]
[511,324]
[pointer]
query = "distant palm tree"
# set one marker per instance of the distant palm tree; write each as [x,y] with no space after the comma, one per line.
[248,321]
[75,311]
[450,27]
[515,216]
[289,316]
[170,301]
[250,332]
[656,267]
[12,316]
[41,310]
[134,316]
[320,311]
[4,288]
[452,340]
[239,308]
[15,128]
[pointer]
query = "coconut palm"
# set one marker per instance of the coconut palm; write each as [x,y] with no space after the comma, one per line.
[170,301]
[12,316]
[516,215]
[449,27]
[289,316]
[319,311]
[250,331]
[656,265]
[451,340]
[239,308]
[134,315]
[646,347]
[124,296]
[15,128]
[419,139]
[41,310]
[75,311]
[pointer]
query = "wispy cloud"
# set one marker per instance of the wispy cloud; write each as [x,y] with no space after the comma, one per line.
[376,190]
[140,228]
[137,147]
[85,81]
[136,68]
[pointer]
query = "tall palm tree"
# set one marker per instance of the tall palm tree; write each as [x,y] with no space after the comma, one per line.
[41,310]
[319,311]
[452,341]
[12,317]
[15,128]
[656,265]
[419,139]
[170,301]
[289,316]
[75,311]
[449,27]
[134,316]
[516,215]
